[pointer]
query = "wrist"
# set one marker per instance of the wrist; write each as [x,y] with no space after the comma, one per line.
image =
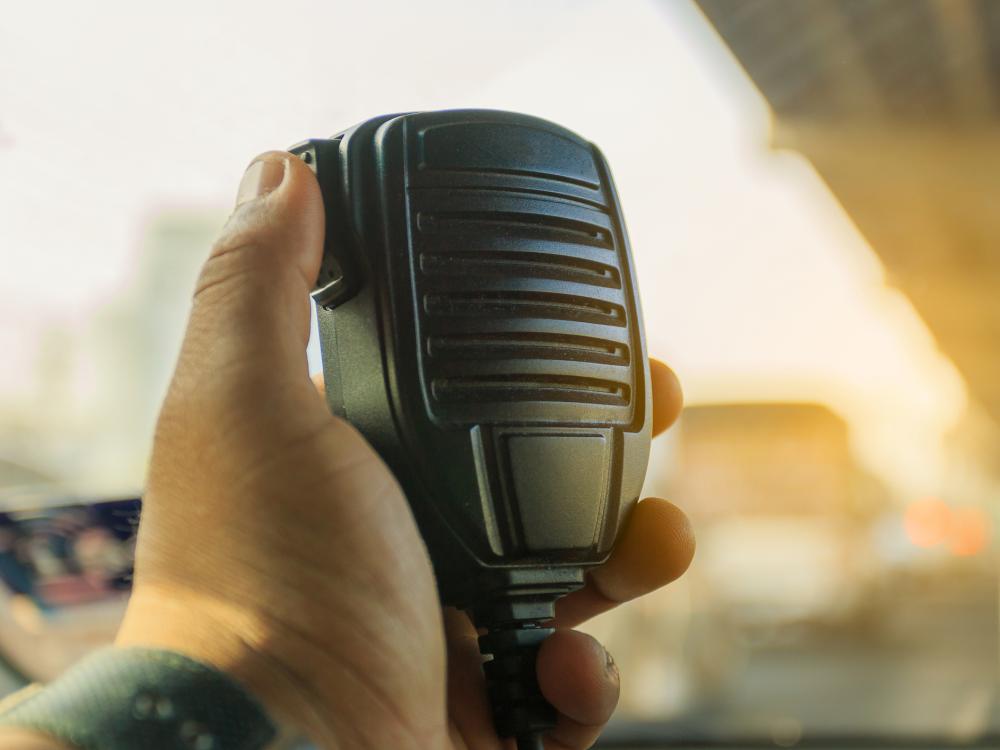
[231,641]
[125,698]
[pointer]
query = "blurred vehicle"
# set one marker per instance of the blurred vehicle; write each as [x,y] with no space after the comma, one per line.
[65,574]
[811,557]
[783,531]
[783,516]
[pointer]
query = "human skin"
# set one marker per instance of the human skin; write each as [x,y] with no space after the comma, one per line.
[276,546]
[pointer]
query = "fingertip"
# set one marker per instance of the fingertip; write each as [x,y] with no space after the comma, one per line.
[577,677]
[284,221]
[668,396]
[301,199]
[302,173]
[295,180]
[656,546]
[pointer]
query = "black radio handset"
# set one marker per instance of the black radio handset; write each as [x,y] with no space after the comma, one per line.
[480,325]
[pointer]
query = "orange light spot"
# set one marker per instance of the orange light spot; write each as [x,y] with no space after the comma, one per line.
[928,522]
[970,531]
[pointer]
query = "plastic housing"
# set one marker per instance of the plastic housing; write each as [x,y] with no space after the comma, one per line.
[480,325]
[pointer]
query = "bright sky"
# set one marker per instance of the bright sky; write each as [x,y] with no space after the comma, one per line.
[754,282]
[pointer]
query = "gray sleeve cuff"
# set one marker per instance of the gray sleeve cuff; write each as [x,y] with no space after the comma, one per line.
[129,698]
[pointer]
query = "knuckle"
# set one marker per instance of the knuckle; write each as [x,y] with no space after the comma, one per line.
[227,262]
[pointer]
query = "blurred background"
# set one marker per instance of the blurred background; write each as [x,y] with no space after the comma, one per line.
[811,189]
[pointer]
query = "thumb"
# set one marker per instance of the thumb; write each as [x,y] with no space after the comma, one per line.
[250,315]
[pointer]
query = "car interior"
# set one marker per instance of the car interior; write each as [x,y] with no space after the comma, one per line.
[811,189]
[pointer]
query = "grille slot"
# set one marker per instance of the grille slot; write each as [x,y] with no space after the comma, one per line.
[530,173]
[526,305]
[501,345]
[507,388]
[587,200]
[523,264]
[527,225]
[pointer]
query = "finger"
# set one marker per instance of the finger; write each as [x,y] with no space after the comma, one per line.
[655,547]
[579,679]
[668,399]
[566,657]
[250,314]
[320,383]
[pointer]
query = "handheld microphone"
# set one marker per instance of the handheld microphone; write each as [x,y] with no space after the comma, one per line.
[480,325]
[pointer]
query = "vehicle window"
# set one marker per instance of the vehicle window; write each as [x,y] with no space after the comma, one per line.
[811,191]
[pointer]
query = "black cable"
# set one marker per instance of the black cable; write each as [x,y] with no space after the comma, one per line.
[519,708]
[531,741]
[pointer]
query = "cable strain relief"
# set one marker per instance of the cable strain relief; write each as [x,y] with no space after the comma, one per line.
[519,708]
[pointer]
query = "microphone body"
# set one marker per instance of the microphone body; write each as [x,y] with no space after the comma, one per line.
[480,325]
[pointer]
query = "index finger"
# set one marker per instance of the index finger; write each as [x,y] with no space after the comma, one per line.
[655,548]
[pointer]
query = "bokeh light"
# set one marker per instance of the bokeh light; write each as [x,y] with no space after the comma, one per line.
[970,531]
[928,522]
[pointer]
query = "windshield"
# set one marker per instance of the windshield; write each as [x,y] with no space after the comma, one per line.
[811,192]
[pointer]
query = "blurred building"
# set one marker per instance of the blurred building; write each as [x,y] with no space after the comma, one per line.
[896,104]
[137,338]
[14,475]
[84,415]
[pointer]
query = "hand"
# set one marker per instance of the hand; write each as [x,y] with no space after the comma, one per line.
[276,545]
